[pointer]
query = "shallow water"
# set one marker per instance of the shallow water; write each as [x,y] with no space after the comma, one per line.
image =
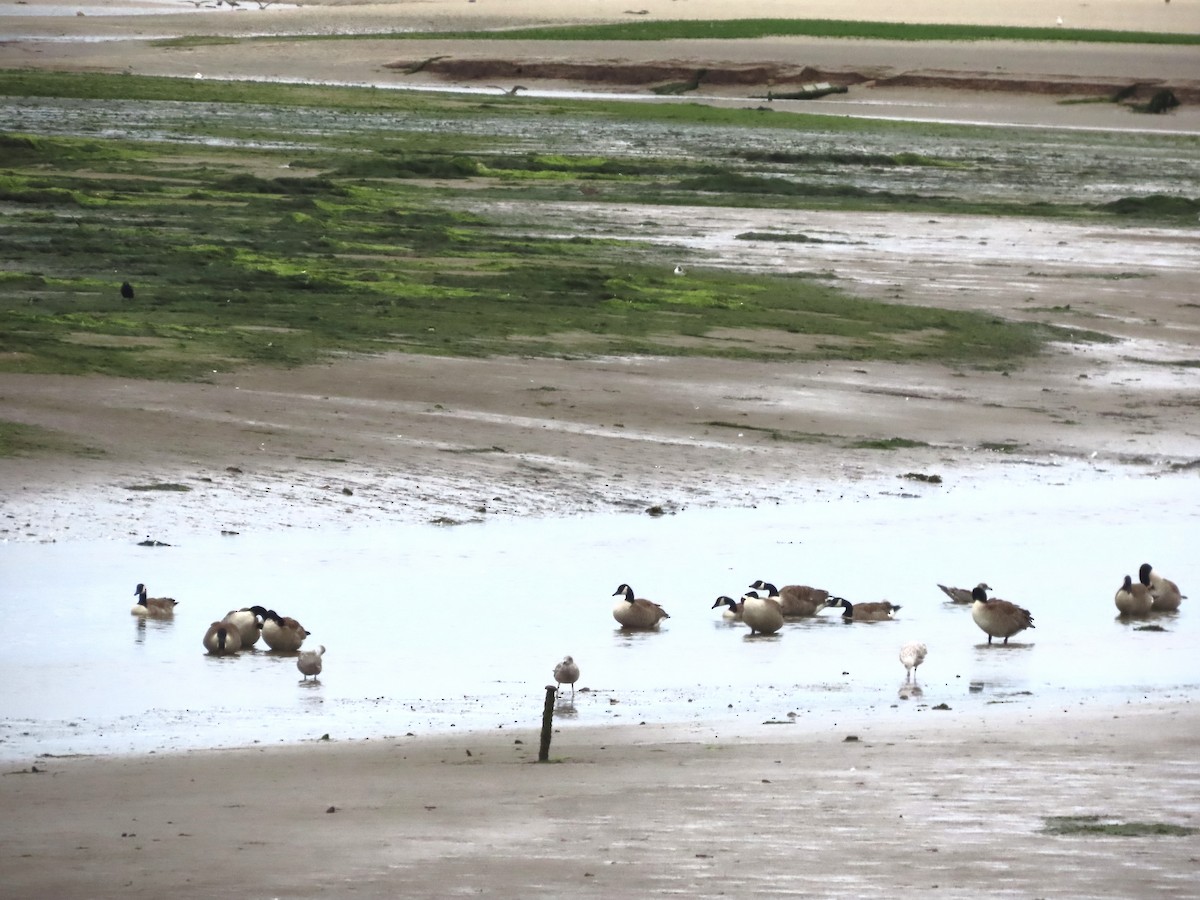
[432,629]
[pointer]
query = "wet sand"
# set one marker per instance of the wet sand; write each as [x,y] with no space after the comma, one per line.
[412,439]
[954,806]
[954,809]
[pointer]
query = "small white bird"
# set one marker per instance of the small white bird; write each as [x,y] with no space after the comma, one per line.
[567,672]
[309,662]
[679,270]
[912,655]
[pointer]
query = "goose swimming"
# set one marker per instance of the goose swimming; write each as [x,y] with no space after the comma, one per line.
[636,613]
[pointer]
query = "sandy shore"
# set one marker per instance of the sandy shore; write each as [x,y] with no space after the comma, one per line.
[952,808]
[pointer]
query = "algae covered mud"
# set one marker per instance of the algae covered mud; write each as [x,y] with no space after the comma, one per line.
[278,224]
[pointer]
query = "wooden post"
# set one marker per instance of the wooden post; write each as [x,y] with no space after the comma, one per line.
[547,722]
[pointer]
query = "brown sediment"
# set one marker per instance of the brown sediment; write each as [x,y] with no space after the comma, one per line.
[768,76]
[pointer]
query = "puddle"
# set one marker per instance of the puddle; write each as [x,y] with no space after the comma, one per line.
[441,629]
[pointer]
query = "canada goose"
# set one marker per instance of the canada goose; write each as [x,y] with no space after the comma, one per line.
[999,618]
[912,655]
[733,608]
[963,595]
[567,672]
[640,614]
[221,639]
[794,599]
[1163,591]
[1133,599]
[247,622]
[309,663]
[764,615]
[863,612]
[154,607]
[282,632]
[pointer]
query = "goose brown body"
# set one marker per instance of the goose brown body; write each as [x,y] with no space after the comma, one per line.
[1163,591]
[248,622]
[962,595]
[222,639]
[282,633]
[764,615]
[636,613]
[863,612]
[794,600]
[1133,598]
[152,607]
[999,618]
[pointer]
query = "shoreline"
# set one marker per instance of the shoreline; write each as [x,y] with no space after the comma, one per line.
[643,811]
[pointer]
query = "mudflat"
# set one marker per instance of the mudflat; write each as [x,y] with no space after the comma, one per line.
[957,807]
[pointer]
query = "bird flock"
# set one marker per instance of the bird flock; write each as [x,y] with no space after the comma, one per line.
[241,629]
[765,613]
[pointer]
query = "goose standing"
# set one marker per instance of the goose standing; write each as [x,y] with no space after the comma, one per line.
[154,607]
[863,612]
[764,615]
[567,672]
[309,663]
[963,595]
[794,599]
[733,608]
[222,639]
[999,618]
[1163,591]
[282,632]
[636,613]
[912,655]
[248,622]
[1133,599]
